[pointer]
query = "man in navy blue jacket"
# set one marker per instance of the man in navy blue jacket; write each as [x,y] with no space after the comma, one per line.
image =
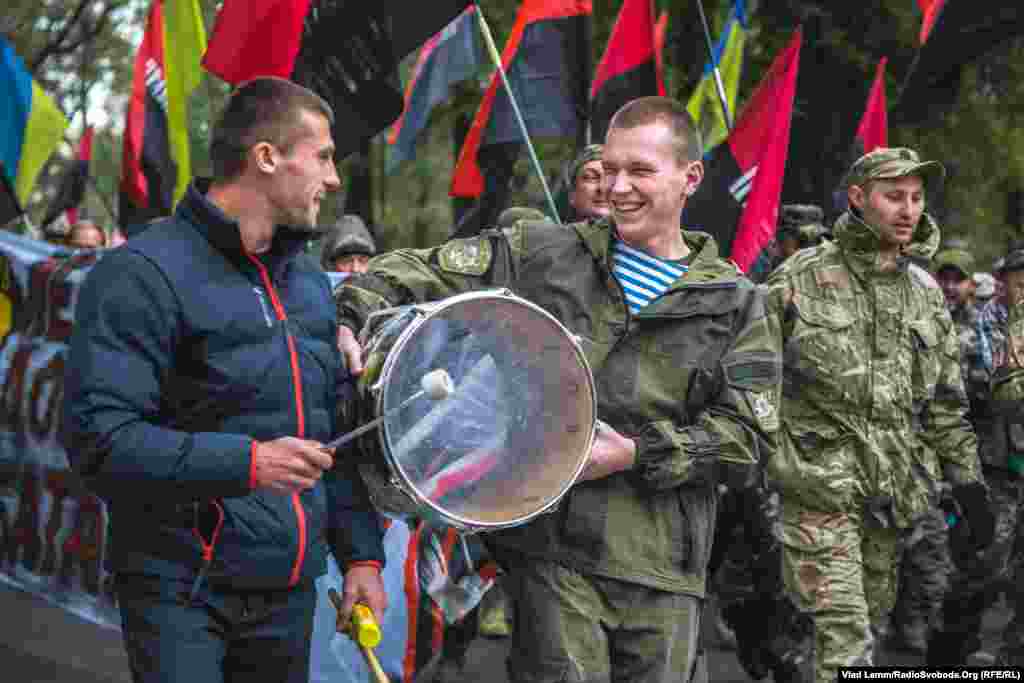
[202,383]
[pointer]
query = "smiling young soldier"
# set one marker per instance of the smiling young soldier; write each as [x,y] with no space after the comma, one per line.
[610,587]
[873,406]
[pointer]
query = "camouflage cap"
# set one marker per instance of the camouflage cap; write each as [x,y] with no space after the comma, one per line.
[894,162]
[508,217]
[590,153]
[802,222]
[954,257]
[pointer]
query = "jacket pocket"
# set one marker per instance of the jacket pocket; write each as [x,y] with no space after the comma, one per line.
[923,338]
[586,513]
[821,348]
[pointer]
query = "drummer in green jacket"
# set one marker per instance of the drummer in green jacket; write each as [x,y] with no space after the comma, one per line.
[610,586]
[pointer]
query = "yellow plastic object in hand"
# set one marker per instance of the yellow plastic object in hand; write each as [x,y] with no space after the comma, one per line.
[365,630]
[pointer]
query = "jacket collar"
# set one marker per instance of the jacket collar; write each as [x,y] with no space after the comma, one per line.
[225,235]
[705,265]
[860,243]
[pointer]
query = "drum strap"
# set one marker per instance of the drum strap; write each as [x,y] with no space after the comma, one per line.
[502,271]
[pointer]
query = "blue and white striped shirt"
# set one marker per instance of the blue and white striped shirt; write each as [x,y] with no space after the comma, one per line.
[643,277]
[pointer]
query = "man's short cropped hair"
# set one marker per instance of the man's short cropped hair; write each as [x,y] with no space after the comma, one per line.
[260,110]
[672,113]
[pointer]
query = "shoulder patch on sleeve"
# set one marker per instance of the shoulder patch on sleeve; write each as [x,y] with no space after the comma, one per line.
[471,256]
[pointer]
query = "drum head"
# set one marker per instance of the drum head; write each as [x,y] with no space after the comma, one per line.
[515,433]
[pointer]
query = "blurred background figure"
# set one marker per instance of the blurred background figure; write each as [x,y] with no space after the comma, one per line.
[800,227]
[587,196]
[984,289]
[954,267]
[86,235]
[348,246]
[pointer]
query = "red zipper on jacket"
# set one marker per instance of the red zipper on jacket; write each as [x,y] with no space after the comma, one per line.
[300,513]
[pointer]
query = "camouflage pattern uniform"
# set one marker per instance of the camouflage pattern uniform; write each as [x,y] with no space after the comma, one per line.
[979,578]
[612,582]
[873,416]
[926,564]
[802,222]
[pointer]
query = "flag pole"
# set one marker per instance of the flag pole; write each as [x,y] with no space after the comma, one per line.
[496,58]
[714,67]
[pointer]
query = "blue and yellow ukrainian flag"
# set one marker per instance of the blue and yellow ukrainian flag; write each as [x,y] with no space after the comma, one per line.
[704,105]
[31,126]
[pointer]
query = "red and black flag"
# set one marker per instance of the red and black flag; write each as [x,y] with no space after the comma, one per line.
[72,183]
[873,130]
[930,10]
[156,165]
[148,172]
[346,52]
[450,56]
[660,33]
[953,34]
[738,202]
[543,62]
[628,69]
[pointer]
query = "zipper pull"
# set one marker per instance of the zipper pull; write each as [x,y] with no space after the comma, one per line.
[200,577]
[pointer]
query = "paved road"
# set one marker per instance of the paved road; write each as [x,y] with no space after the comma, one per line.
[41,643]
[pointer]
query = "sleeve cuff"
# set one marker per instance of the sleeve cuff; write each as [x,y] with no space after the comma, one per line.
[365,563]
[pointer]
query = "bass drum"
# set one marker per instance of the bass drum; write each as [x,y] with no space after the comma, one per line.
[511,438]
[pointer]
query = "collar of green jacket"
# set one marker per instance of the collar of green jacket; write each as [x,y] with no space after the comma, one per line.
[860,241]
[705,265]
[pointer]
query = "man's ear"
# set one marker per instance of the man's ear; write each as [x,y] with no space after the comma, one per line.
[694,176]
[264,157]
[858,198]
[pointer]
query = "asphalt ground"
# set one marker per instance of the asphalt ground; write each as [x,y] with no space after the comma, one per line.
[41,642]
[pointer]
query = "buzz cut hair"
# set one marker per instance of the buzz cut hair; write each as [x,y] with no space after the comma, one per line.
[265,109]
[647,110]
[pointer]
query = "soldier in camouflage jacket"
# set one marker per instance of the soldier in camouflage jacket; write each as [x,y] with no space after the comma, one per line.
[871,375]
[613,582]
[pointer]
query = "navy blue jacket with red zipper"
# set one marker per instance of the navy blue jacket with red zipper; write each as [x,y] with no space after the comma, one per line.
[186,351]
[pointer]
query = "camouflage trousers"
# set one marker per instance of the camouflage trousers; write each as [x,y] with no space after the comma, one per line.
[978,580]
[844,574]
[925,571]
[582,628]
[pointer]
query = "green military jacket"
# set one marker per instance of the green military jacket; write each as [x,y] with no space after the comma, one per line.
[873,404]
[693,375]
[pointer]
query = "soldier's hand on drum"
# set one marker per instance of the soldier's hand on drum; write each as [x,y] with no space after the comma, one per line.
[350,349]
[611,452]
[290,465]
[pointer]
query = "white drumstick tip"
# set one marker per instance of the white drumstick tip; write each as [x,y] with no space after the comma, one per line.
[437,384]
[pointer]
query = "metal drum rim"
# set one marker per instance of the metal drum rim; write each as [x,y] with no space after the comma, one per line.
[428,310]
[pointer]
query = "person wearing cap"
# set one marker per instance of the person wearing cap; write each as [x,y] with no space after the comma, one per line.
[585,178]
[348,246]
[800,227]
[1001,437]
[873,406]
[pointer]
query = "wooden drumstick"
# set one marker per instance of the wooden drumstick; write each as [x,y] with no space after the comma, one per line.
[367,650]
[436,385]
